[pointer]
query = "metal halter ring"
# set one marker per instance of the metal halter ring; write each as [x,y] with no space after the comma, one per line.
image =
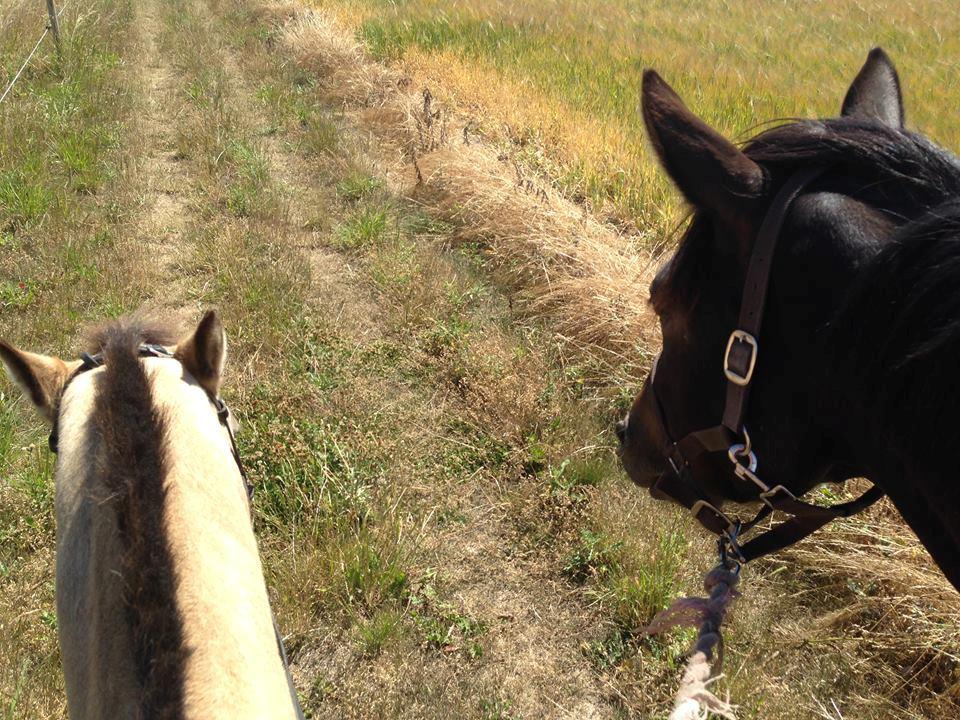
[738,451]
[728,548]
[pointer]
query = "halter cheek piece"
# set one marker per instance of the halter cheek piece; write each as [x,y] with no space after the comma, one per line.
[739,363]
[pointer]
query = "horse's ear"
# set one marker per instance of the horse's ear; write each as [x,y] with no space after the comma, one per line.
[40,377]
[709,169]
[204,353]
[875,92]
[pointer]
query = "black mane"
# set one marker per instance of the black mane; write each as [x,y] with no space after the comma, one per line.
[924,173]
[134,467]
[898,334]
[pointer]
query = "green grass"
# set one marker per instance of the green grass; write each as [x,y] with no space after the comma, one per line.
[357,186]
[367,226]
[566,75]
[65,261]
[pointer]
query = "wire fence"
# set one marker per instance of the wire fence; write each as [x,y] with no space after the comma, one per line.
[46,31]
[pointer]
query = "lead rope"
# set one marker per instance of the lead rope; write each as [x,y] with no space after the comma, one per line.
[694,701]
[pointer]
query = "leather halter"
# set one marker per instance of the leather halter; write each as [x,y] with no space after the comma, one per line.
[731,435]
[90,362]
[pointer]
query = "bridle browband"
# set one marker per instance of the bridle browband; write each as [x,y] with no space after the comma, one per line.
[731,436]
[148,350]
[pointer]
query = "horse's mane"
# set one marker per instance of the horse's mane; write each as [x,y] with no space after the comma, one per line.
[923,172]
[134,467]
[893,162]
[897,338]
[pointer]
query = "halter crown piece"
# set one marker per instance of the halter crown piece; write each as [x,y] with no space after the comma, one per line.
[731,436]
[91,362]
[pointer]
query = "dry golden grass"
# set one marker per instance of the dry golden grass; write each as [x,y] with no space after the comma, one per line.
[558,82]
[586,277]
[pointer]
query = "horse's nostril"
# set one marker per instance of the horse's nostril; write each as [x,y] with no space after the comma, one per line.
[621,430]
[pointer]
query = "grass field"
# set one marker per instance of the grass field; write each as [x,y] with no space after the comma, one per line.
[560,79]
[435,313]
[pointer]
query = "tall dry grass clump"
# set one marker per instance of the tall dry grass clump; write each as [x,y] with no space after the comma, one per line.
[588,280]
[318,43]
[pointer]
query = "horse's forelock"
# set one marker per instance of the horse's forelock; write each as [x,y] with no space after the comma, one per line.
[141,329]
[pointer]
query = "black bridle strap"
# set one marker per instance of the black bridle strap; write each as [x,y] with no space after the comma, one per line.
[805,519]
[223,415]
[754,297]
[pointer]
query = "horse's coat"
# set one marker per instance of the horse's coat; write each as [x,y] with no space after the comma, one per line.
[161,604]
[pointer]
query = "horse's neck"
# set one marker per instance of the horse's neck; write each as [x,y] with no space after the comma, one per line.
[233,667]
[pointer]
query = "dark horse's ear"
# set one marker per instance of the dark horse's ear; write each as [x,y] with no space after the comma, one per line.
[204,353]
[875,92]
[709,169]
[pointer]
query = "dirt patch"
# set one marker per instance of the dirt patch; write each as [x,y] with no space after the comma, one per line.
[167,185]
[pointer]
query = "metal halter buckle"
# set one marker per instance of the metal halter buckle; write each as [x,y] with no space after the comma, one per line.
[740,336]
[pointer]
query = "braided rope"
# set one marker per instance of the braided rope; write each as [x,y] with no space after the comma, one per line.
[693,700]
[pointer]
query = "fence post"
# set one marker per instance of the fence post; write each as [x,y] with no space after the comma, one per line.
[54,24]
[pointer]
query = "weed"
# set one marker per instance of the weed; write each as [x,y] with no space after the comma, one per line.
[18,295]
[367,226]
[320,137]
[497,709]
[596,556]
[383,629]
[644,586]
[610,650]
[23,199]
[442,625]
[572,476]
[358,186]
[370,577]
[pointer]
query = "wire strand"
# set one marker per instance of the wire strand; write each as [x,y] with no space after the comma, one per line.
[26,62]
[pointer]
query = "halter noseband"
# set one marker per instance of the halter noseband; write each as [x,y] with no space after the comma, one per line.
[739,362]
[146,350]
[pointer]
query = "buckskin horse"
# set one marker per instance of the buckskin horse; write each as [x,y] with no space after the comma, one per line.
[810,319]
[162,608]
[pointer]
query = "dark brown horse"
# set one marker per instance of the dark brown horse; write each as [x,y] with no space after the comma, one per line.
[857,357]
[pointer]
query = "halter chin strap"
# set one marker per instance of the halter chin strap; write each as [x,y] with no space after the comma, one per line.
[739,363]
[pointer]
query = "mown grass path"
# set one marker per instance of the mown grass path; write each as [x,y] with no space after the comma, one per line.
[398,428]
[393,547]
